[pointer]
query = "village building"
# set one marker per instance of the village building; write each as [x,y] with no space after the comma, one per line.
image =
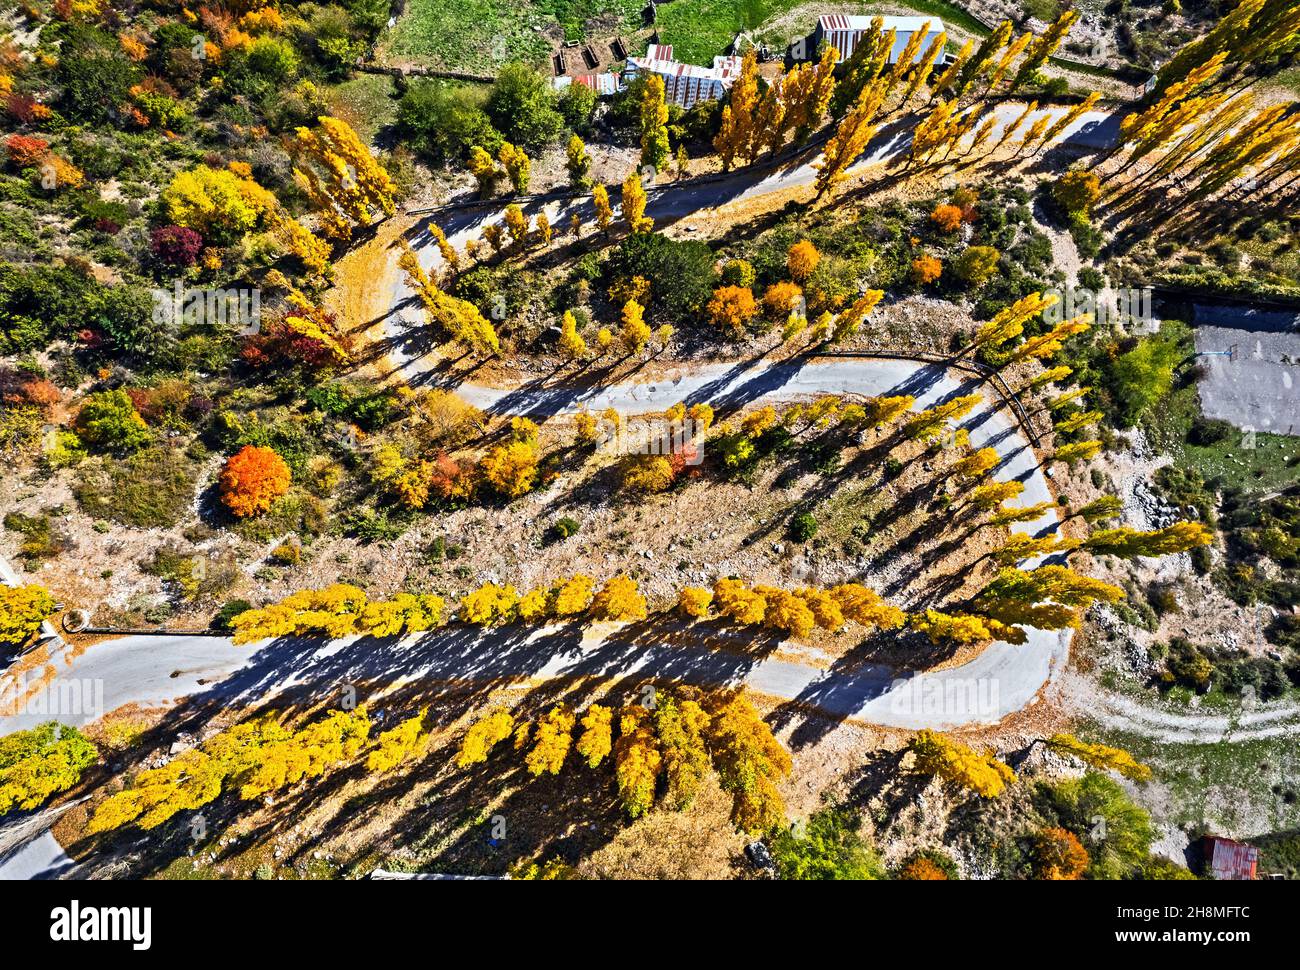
[845,31]
[604,85]
[1229,859]
[686,84]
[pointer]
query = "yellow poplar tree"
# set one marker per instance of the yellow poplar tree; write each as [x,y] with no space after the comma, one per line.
[906,61]
[578,162]
[619,599]
[990,496]
[604,213]
[22,611]
[960,764]
[694,601]
[654,123]
[551,742]
[483,736]
[634,200]
[398,745]
[571,343]
[738,116]
[977,464]
[880,411]
[1127,543]
[518,167]
[597,738]
[749,762]
[950,74]
[489,604]
[1100,756]
[635,331]
[516,224]
[929,425]
[340,175]
[637,761]
[925,66]
[1043,47]
[849,321]
[855,130]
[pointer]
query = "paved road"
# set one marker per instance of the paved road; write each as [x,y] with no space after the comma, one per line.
[405,330]
[1004,678]
[29,850]
[1001,680]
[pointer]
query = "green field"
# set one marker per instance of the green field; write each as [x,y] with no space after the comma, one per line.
[365,102]
[1268,466]
[478,36]
[699,29]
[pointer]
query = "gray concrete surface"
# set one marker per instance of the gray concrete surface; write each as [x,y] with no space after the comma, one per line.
[1260,388]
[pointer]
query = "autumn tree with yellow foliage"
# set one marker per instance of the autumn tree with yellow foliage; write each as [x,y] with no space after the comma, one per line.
[1099,756]
[341,177]
[958,764]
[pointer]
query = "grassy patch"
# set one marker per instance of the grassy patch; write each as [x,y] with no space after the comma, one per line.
[366,103]
[480,35]
[467,35]
[1270,465]
[152,488]
[1289,79]
[42,538]
[1230,787]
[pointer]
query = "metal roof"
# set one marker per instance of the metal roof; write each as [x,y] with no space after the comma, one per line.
[903,25]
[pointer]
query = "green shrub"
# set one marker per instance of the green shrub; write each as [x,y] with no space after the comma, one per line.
[563,528]
[1116,832]
[444,120]
[680,272]
[109,420]
[522,107]
[194,575]
[576,104]
[229,610]
[828,846]
[803,527]
[42,538]
[153,488]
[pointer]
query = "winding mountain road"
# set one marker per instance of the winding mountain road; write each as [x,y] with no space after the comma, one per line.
[1004,678]
[152,670]
[404,328]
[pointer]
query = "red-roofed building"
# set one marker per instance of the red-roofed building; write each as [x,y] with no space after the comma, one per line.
[1226,859]
[686,84]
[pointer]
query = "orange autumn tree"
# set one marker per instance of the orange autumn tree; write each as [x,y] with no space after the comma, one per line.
[802,260]
[252,479]
[1058,854]
[731,307]
[922,869]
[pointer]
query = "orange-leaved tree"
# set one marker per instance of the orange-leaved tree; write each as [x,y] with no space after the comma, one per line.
[252,479]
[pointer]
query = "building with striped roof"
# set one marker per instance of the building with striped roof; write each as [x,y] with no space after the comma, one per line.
[844,32]
[686,84]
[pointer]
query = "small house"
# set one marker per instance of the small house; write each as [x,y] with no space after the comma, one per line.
[605,84]
[1226,859]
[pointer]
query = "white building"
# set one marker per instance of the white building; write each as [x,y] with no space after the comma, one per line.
[603,84]
[845,31]
[686,84]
